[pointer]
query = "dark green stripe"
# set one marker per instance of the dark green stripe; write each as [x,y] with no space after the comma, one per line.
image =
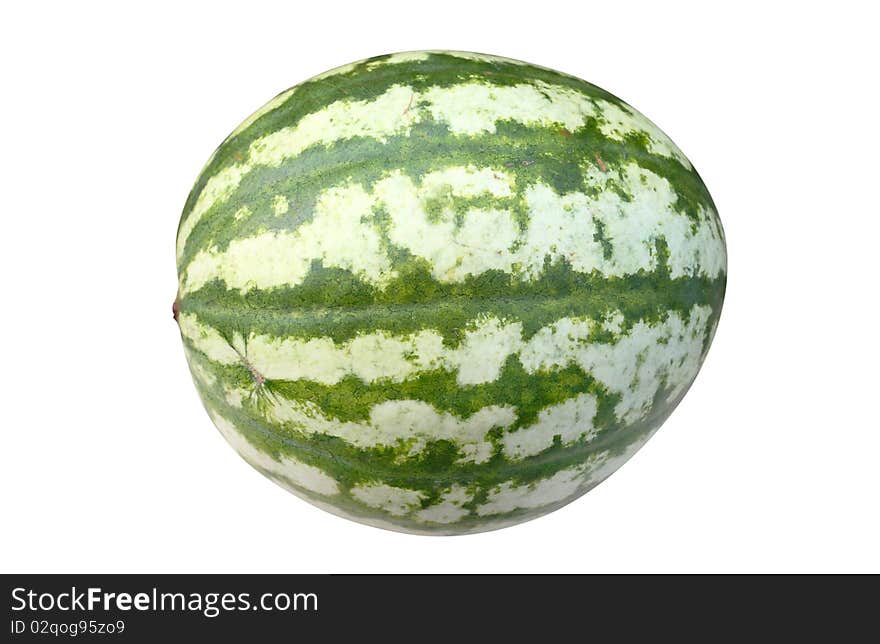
[439,70]
[433,469]
[351,399]
[334,303]
[530,154]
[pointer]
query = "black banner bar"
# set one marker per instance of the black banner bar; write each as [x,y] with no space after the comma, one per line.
[135,608]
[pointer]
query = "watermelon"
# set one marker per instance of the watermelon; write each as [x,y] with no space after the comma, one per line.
[445,292]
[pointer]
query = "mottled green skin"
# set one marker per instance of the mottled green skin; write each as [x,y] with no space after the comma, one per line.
[333,302]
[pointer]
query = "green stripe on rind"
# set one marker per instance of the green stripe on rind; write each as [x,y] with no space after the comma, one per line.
[441,71]
[358,82]
[432,476]
[527,394]
[435,469]
[352,399]
[346,506]
[528,154]
[333,303]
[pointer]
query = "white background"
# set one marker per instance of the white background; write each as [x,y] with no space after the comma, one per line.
[109,462]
